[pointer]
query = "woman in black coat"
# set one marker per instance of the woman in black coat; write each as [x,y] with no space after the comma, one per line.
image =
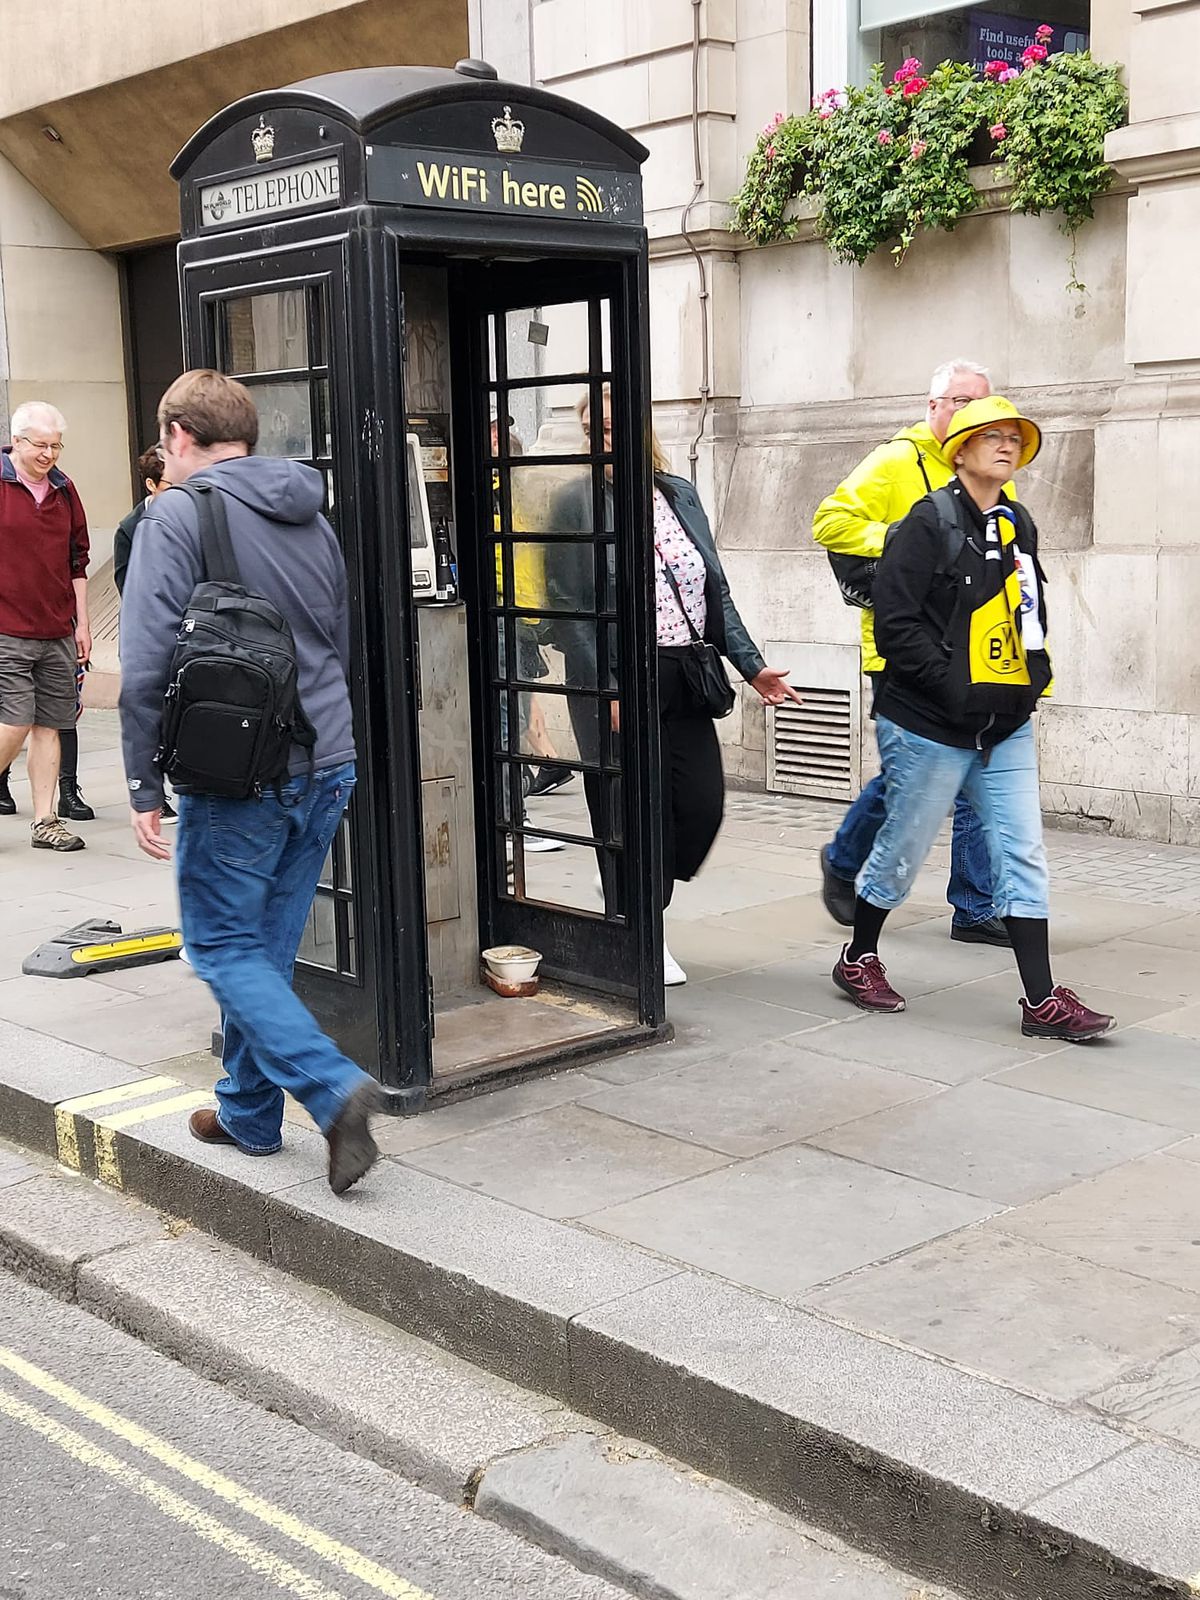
[693,781]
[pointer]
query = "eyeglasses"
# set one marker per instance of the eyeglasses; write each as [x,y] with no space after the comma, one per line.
[40,446]
[995,436]
[958,401]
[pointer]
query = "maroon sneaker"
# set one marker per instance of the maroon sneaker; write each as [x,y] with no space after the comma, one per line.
[1063,1015]
[866,983]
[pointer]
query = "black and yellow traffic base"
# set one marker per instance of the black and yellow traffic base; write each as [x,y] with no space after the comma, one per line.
[101,946]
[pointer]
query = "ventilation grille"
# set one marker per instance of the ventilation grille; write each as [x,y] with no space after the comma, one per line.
[812,748]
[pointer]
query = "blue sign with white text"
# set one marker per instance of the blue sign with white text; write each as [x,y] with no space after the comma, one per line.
[994,36]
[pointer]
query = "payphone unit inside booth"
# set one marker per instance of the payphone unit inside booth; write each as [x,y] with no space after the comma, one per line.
[435,287]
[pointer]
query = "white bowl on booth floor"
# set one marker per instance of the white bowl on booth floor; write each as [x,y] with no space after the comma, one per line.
[512,963]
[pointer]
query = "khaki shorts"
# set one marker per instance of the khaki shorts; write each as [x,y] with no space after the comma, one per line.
[37,682]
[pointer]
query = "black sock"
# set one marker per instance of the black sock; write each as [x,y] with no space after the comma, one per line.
[868,925]
[1031,945]
[68,763]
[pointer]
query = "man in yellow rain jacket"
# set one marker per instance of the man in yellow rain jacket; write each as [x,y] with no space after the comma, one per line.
[529,589]
[853,521]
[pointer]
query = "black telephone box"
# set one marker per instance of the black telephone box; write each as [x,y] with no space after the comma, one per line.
[435,286]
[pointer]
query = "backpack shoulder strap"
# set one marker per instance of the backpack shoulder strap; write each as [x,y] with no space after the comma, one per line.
[921,465]
[953,534]
[1026,528]
[216,547]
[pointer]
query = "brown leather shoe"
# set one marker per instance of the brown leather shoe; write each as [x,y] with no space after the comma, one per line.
[203,1125]
[352,1149]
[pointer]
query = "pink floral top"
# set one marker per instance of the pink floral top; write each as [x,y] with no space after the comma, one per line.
[672,545]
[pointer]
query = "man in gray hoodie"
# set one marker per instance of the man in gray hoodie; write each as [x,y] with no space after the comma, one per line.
[248,869]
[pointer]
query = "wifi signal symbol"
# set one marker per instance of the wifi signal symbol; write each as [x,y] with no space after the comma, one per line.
[587,195]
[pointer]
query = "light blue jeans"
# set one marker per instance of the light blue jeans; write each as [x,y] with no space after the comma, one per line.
[970,886]
[923,779]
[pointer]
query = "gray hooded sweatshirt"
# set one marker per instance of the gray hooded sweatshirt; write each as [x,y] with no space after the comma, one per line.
[287,553]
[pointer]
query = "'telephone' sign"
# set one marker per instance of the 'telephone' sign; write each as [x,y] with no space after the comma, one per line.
[512,186]
[268,194]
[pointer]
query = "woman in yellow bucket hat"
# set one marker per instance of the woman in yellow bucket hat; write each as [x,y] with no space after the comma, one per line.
[960,615]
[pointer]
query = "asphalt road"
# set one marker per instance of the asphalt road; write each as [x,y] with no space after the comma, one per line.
[126,1477]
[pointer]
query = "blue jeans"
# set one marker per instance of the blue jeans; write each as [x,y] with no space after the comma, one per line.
[923,779]
[248,872]
[970,888]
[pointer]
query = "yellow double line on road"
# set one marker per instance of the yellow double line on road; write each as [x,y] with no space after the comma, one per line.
[350,1562]
[117,1113]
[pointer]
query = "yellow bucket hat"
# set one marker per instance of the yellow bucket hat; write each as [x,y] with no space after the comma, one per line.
[980,414]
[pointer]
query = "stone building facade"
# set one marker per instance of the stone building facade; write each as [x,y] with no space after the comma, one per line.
[809,363]
[774,369]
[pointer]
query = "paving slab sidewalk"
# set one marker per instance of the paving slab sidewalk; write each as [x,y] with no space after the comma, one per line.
[1007,1211]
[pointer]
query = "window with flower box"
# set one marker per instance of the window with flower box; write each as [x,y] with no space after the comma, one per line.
[849,36]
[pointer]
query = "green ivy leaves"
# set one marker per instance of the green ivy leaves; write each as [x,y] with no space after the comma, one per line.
[1057,116]
[883,161]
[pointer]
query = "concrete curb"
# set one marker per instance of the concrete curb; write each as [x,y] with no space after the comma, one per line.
[609,1506]
[992,1492]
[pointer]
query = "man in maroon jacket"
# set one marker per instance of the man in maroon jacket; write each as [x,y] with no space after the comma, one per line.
[43,607]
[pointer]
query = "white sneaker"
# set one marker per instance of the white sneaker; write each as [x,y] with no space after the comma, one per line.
[673,973]
[535,844]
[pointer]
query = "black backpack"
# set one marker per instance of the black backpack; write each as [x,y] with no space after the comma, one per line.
[232,710]
[856,574]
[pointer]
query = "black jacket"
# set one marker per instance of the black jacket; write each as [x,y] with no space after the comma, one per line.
[922,617]
[723,626]
[123,544]
[569,576]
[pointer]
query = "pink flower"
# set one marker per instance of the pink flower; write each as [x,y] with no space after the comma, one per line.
[1035,54]
[770,152]
[885,136]
[993,69]
[998,131]
[1044,34]
[1008,75]
[914,87]
[910,67]
[918,149]
[832,100]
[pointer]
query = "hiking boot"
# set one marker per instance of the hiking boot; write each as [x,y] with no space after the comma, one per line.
[992,931]
[8,806]
[49,834]
[352,1148]
[1063,1015]
[71,803]
[866,983]
[203,1125]
[836,893]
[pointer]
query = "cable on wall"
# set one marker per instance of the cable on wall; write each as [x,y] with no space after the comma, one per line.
[701,264]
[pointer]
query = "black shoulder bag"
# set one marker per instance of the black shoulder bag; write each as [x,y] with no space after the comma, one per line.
[702,669]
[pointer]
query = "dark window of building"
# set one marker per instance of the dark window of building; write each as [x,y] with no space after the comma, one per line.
[154,338]
[891,31]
